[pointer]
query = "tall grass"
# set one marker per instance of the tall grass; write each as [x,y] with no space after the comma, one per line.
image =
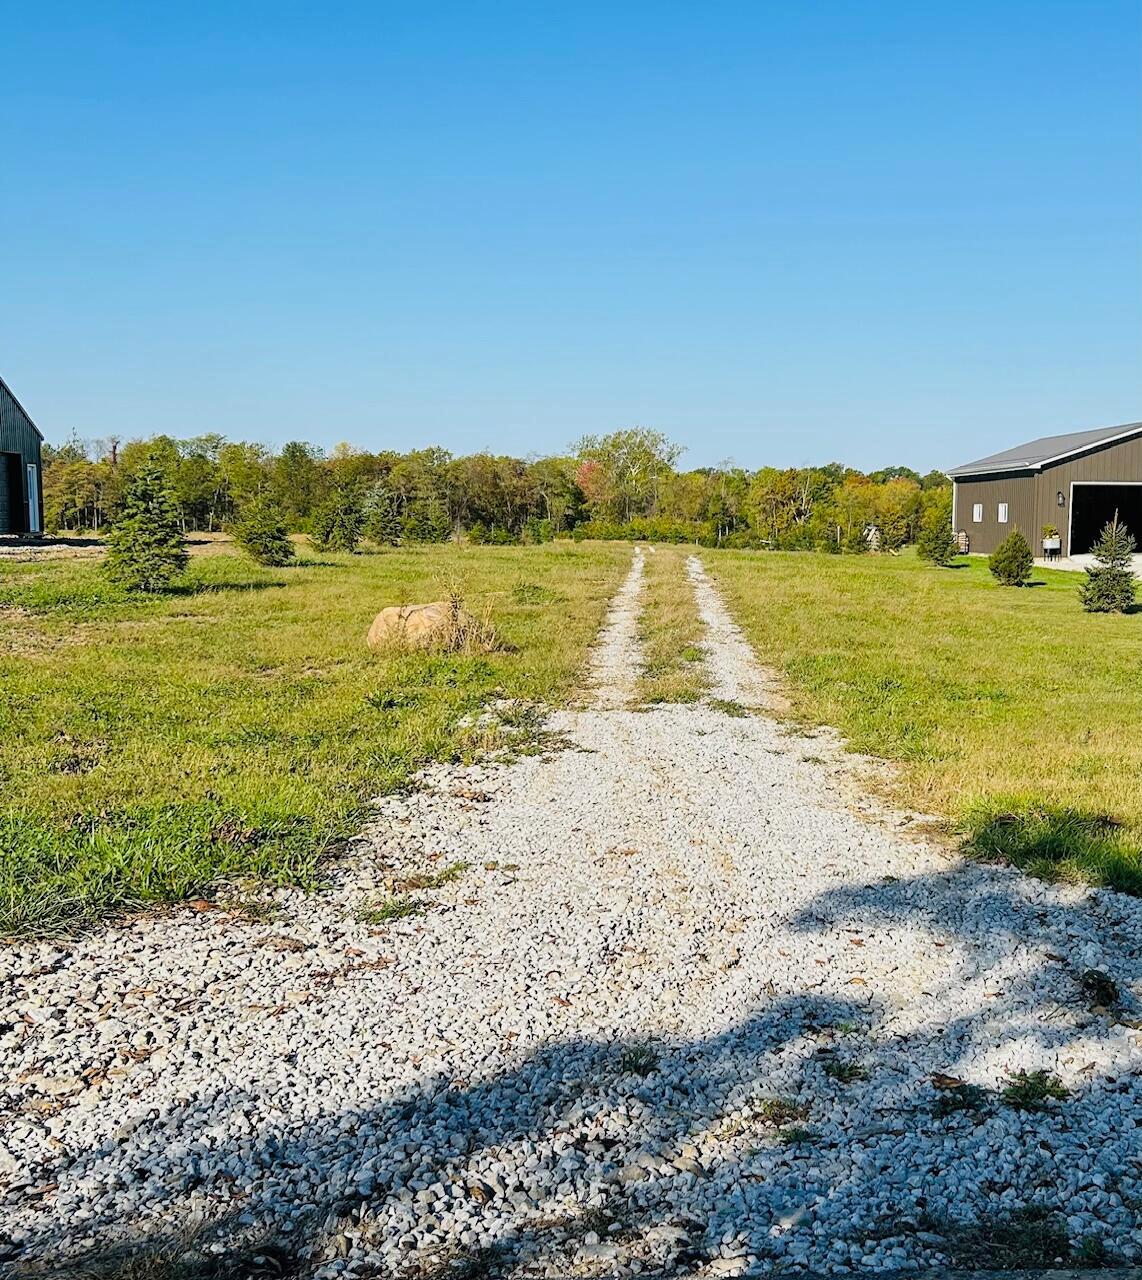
[237,725]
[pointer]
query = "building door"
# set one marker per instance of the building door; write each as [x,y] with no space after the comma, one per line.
[11,494]
[1093,506]
[34,523]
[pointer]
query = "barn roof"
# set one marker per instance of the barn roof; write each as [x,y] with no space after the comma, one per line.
[1036,454]
[27,416]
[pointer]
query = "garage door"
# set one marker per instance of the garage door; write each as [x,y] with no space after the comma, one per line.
[6,502]
[1093,506]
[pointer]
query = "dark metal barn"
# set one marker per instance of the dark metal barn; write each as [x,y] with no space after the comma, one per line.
[1073,483]
[21,479]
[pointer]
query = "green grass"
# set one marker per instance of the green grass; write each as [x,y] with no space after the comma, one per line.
[1034,1090]
[1013,714]
[237,726]
[390,909]
[639,1060]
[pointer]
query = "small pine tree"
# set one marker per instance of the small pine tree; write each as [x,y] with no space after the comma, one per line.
[339,522]
[937,542]
[261,533]
[146,547]
[1011,562]
[382,517]
[1109,585]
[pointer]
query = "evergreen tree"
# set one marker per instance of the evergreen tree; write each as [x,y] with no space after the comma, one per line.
[382,517]
[339,522]
[146,547]
[936,541]
[426,520]
[1109,586]
[261,533]
[1011,562]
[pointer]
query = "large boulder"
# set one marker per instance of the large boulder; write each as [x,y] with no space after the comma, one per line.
[413,626]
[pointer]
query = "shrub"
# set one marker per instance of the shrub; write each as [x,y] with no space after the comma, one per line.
[936,541]
[1011,562]
[339,522]
[1109,585]
[146,547]
[261,533]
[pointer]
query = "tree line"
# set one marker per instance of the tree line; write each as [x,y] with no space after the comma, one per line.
[623,485]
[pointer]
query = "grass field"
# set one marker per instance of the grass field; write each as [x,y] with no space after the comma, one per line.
[1012,712]
[238,725]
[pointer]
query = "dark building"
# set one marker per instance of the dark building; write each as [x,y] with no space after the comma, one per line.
[1073,482]
[21,479]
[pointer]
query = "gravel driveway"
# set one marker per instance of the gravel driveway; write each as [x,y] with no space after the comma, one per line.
[676,1005]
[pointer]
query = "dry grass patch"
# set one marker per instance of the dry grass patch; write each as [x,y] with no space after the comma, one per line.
[671,631]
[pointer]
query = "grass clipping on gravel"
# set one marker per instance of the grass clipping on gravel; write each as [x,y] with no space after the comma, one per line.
[670,631]
[1014,714]
[236,726]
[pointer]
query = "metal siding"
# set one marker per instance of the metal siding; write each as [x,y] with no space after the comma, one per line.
[1118,462]
[18,435]
[1018,491]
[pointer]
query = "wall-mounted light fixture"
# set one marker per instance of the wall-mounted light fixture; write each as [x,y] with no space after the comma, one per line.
[1060,499]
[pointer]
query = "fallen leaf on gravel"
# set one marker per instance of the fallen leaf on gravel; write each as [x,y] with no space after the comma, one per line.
[560,1000]
[942,1081]
[201,904]
[857,942]
[857,982]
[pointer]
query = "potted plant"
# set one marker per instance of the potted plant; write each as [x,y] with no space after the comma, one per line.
[1052,542]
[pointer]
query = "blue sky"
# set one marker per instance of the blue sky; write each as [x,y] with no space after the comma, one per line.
[781,232]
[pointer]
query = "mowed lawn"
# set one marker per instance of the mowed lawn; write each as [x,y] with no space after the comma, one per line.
[238,726]
[1011,711]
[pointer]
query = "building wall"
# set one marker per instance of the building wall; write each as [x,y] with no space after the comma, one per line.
[17,436]
[1033,498]
[1119,462]
[1018,490]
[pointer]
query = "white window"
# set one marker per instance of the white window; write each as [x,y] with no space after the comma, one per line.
[1002,513]
[977,513]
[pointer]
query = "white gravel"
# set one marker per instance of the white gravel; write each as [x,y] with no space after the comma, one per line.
[687,881]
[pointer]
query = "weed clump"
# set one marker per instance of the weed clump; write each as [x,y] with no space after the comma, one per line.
[388,910]
[433,879]
[782,1111]
[795,1134]
[844,1072]
[728,707]
[638,1060]
[1099,988]
[1034,1090]
[965,1097]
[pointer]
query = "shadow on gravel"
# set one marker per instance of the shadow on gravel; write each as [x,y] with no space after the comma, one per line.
[816,1102]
